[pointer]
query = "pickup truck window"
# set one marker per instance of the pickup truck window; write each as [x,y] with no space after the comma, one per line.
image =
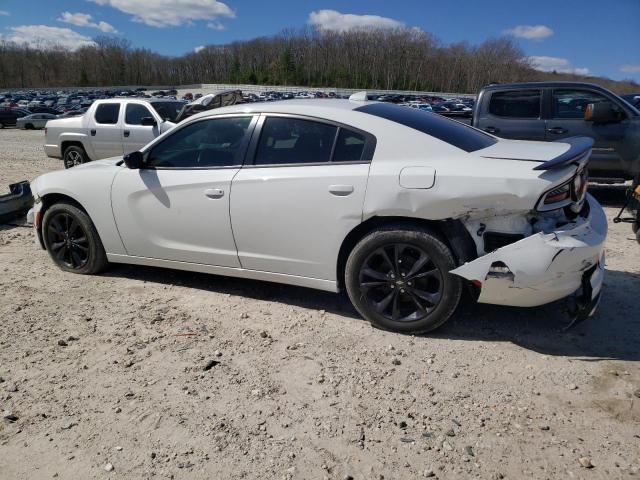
[204,144]
[107,113]
[515,103]
[135,113]
[571,103]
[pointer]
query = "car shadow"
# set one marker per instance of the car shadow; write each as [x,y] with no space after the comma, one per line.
[609,195]
[613,333]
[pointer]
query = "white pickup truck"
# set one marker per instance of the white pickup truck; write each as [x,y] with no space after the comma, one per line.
[109,128]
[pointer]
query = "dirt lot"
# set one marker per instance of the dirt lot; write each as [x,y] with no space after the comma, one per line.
[151,373]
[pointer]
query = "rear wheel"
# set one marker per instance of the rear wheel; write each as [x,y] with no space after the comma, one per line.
[74,156]
[72,240]
[28,126]
[398,279]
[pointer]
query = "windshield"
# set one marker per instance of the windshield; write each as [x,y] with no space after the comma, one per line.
[168,110]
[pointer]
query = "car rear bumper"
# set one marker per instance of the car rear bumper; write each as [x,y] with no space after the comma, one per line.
[52,151]
[545,267]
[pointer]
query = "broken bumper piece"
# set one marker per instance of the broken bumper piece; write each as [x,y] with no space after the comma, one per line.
[16,202]
[545,267]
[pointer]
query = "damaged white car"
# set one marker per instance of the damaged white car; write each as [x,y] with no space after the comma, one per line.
[403,209]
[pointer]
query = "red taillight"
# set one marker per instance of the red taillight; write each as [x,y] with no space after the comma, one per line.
[476,283]
[37,219]
[557,195]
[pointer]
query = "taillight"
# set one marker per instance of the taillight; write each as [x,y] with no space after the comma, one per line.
[556,198]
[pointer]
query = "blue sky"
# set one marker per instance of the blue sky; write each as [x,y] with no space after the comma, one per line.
[586,36]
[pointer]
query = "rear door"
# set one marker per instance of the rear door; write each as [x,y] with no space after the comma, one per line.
[515,114]
[291,209]
[566,120]
[134,134]
[105,130]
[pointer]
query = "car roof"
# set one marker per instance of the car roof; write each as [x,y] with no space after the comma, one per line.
[318,106]
[563,84]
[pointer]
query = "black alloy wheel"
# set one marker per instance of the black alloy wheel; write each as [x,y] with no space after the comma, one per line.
[67,241]
[401,282]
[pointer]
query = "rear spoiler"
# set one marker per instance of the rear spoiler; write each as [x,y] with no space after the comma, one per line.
[579,152]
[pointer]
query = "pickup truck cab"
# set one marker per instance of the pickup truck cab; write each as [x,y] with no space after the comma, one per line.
[109,128]
[552,111]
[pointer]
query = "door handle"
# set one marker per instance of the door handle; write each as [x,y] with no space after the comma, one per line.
[557,130]
[93,132]
[492,130]
[341,190]
[127,133]
[214,192]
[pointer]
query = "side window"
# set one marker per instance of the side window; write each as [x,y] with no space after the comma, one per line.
[349,147]
[293,140]
[135,113]
[107,113]
[515,104]
[208,143]
[571,103]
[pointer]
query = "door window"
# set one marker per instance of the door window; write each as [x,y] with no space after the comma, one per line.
[135,113]
[292,140]
[107,113]
[208,143]
[571,103]
[349,146]
[516,104]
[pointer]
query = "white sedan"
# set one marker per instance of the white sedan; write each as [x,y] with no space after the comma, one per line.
[403,209]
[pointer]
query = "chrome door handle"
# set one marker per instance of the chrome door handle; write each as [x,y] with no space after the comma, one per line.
[492,130]
[341,190]
[557,130]
[214,192]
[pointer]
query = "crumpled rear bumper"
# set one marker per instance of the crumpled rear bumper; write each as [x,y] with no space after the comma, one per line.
[544,267]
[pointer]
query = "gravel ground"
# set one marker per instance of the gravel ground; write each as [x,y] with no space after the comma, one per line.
[151,373]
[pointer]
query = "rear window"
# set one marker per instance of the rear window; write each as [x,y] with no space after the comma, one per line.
[454,133]
[515,104]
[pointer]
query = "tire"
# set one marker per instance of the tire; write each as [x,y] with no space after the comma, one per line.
[415,295]
[28,126]
[73,156]
[1,125]
[72,240]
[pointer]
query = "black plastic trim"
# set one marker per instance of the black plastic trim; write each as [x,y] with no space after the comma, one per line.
[580,149]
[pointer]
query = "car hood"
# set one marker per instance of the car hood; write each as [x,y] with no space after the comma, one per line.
[524,150]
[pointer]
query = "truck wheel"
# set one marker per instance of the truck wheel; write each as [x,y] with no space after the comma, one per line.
[74,156]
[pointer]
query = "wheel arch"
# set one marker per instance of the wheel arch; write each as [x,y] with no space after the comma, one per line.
[451,231]
[51,199]
[73,143]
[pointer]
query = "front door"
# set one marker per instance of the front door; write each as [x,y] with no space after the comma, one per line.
[566,120]
[293,207]
[134,134]
[177,206]
[514,114]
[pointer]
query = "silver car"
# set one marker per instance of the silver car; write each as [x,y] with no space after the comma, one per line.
[35,120]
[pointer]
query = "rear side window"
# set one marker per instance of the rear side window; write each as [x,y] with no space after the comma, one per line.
[292,140]
[454,133]
[107,113]
[349,146]
[515,104]
[135,113]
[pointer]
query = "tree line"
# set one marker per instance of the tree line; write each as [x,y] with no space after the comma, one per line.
[388,59]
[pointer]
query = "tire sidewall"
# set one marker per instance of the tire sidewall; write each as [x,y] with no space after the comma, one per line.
[97,256]
[83,156]
[442,258]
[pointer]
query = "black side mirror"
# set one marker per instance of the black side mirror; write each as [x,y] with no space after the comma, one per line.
[148,122]
[133,160]
[601,112]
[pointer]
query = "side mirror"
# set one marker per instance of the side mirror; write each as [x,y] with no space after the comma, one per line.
[133,160]
[601,112]
[148,122]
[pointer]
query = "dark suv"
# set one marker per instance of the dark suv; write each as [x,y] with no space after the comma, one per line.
[554,110]
[7,118]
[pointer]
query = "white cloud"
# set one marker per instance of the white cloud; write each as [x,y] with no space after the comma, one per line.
[43,36]
[530,32]
[557,64]
[215,26]
[170,13]
[3,13]
[199,48]
[630,68]
[333,20]
[85,20]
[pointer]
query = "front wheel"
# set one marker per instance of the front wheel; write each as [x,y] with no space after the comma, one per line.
[74,156]
[398,279]
[72,240]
